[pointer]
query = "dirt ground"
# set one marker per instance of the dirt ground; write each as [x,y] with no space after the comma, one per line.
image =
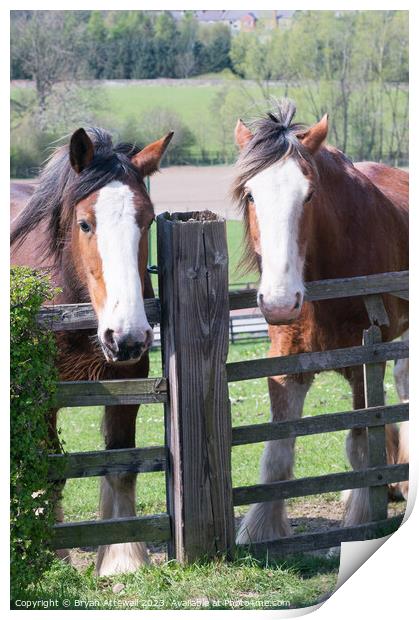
[305,516]
[194,188]
[184,188]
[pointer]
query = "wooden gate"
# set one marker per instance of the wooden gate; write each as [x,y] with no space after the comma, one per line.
[193,312]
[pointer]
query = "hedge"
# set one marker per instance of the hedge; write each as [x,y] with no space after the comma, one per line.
[33,378]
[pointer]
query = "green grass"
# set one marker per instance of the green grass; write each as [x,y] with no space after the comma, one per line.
[121,108]
[315,454]
[195,104]
[243,583]
[191,103]
[240,584]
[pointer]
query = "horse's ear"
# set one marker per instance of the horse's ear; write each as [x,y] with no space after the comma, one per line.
[81,150]
[313,138]
[148,159]
[242,134]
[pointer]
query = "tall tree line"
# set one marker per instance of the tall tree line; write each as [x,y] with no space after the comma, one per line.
[352,64]
[115,45]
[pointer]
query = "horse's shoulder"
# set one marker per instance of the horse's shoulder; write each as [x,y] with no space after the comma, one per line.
[392,182]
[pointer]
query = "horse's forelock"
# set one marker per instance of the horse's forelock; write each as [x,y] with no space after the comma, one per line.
[60,188]
[274,139]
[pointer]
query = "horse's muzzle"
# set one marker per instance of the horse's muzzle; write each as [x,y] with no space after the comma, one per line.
[280,315]
[126,348]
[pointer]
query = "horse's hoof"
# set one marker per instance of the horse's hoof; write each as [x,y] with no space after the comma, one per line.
[333,552]
[121,558]
[404,489]
[267,521]
[345,496]
[395,493]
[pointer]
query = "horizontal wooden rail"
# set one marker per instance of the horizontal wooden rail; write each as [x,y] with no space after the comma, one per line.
[402,294]
[301,543]
[152,528]
[112,392]
[102,462]
[316,362]
[396,281]
[325,423]
[67,317]
[284,489]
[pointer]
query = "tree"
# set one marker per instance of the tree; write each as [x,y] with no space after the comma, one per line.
[45,49]
[188,38]
[166,44]
[158,121]
[227,106]
[96,45]
[216,40]
[251,59]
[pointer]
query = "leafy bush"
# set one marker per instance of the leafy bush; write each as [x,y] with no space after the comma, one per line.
[33,377]
[152,125]
[30,147]
[161,120]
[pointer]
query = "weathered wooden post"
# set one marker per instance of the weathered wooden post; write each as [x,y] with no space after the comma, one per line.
[374,396]
[193,283]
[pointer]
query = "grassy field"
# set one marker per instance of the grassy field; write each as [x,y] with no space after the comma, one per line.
[208,108]
[245,582]
[196,106]
[315,455]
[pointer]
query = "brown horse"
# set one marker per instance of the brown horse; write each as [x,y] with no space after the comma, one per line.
[311,214]
[86,221]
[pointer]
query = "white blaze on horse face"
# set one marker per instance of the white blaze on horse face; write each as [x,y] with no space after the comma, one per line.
[122,321]
[278,193]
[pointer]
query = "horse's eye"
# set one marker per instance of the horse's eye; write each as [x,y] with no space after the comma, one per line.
[249,197]
[85,227]
[309,196]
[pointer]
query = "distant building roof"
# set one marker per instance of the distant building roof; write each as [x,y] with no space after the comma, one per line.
[231,16]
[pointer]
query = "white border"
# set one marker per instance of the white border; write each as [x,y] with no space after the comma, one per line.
[385,585]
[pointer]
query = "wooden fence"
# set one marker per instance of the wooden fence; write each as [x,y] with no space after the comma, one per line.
[193,312]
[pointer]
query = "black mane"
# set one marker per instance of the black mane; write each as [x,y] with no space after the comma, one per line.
[60,188]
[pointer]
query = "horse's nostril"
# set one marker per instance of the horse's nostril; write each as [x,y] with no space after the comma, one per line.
[298,301]
[108,337]
[129,350]
[137,348]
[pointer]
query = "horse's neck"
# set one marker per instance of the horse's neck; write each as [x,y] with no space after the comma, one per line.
[343,223]
[72,290]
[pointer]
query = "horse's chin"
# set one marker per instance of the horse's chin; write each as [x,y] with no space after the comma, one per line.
[130,362]
[274,322]
[117,362]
